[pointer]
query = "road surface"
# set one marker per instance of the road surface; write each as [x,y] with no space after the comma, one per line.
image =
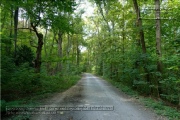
[94,99]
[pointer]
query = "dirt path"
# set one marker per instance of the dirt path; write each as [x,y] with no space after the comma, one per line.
[94,99]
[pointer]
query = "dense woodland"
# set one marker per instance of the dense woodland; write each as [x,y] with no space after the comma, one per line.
[134,42]
[40,47]
[137,43]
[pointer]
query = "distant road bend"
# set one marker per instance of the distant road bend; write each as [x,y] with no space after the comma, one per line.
[101,101]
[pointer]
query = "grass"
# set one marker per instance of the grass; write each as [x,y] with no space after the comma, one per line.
[49,85]
[159,107]
[122,87]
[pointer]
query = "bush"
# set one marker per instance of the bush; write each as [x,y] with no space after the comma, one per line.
[7,68]
[24,54]
[21,82]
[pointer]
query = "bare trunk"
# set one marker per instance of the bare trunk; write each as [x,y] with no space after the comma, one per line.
[141,35]
[37,63]
[78,53]
[68,51]
[45,50]
[123,44]
[59,42]
[139,24]
[158,35]
[158,40]
[68,46]
[74,50]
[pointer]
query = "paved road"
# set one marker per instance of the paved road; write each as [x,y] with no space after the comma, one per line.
[95,99]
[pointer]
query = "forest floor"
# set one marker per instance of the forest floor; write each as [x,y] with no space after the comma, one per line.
[93,98]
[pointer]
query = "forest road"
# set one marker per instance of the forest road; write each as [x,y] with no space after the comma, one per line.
[92,98]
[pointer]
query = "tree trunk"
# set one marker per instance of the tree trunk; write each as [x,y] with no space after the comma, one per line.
[68,51]
[73,50]
[139,24]
[158,40]
[77,53]
[15,30]
[142,41]
[60,54]
[123,45]
[38,53]
[158,35]
[37,63]
[48,65]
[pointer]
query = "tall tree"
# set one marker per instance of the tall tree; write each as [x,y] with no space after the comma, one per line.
[38,61]
[139,24]
[158,35]
[158,39]
[141,38]
[60,50]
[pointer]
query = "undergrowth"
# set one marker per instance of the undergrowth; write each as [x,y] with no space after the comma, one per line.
[44,87]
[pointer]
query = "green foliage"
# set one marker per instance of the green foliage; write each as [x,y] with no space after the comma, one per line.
[57,83]
[111,36]
[7,68]
[19,81]
[122,87]
[116,50]
[27,87]
[24,54]
[161,108]
[24,82]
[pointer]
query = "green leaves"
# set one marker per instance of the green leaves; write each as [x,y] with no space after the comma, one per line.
[115,48]
[24,54]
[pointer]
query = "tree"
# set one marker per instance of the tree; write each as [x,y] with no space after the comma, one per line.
[131,52]
[34,11]
[158,37]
